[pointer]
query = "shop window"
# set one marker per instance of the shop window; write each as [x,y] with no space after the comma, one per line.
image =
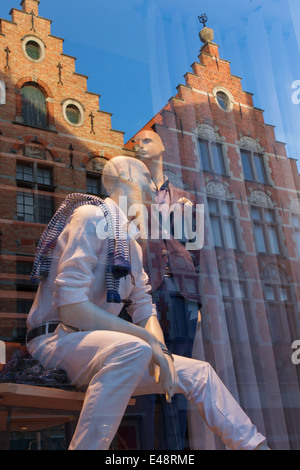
[33,205]
[266,230]
[223,223]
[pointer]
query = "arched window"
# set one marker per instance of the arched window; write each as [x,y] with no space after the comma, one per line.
[34,109]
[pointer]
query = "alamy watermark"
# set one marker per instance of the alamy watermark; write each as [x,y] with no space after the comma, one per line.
[296,354]
[179,221]
[2,352]
[296,93]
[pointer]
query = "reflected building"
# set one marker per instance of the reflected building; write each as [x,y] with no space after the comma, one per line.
[219,148]
[54,140]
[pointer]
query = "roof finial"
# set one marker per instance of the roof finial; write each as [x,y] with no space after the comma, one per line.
[206,34]
[203,19]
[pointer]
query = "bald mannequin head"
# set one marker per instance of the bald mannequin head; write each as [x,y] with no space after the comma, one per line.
[148,145]
[126,176]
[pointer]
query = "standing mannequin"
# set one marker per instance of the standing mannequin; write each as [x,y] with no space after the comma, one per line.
[169,265]
[172,274]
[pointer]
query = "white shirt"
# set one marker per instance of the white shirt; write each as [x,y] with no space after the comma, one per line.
[77,272]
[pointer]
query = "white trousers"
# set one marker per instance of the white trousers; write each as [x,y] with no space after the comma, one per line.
[113,366]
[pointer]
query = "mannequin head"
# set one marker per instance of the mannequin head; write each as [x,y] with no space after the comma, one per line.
[148,145]
[126,176]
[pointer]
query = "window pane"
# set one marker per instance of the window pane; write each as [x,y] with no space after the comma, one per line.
[259,238]
[256,213]
[44,176]
[23,269]
[223,100]
[269,293]
[33,107]
[239,290]
[24,172]
[247,167]
[45,209]
[296,221]
[92,185]
[216,229]
[73,114]
[297,236]
[225,288]
[204,155]
[230,234]
[283,294]
[273,238]
[260,168]
[226,208]
[213,206]
[33,50]
[25,207]
[218,159]
[270,215]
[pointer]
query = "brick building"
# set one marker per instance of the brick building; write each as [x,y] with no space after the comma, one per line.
[54,140]
[219,148]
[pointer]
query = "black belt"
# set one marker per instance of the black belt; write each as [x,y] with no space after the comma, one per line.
[45,328]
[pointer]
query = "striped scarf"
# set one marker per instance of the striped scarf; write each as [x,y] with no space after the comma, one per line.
[118,263]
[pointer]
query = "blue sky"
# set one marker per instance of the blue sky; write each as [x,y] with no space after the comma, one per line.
[136,52]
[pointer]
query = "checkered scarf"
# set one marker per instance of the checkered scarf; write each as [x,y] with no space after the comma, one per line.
[118,263]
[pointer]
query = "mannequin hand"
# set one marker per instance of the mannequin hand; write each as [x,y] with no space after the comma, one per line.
[164,372]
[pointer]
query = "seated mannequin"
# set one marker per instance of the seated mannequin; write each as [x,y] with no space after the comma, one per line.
[74,324]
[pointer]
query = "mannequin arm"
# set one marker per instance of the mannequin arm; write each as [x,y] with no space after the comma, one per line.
[169,377]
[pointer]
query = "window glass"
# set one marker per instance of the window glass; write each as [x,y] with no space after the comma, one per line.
[270,215]
[92,185]
[273,238]
[256,213]
[217,231]
[218,159]
[259,238]
[296,221]
[223,100]
[34,107]
[73,114]
[45,208]
[260,168]
[204,155]
[44,176]
[226,208]
[25,207]
[225,288]
[33,50]
[24,172]
[230,234]
[269,293]
[247,167]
